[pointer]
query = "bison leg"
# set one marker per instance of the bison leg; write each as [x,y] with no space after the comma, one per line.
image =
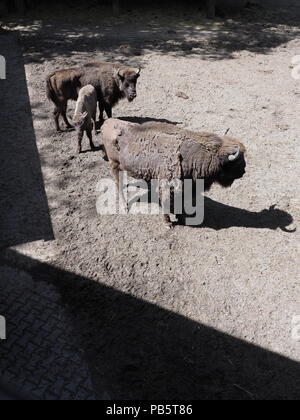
[64,115]
[164,199]
[116,173]
[101,117]
[90,136]
[94,123]
[80,137]
[105,156]
[108,110]
[56,115]
[168,221]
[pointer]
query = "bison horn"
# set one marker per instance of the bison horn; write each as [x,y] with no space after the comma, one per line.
[139,71]
[120,73]
[236,155]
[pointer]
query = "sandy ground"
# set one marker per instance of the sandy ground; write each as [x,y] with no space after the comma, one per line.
[238,273]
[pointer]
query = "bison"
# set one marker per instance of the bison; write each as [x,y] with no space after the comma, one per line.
[162,151]
[85,114]
[112,82]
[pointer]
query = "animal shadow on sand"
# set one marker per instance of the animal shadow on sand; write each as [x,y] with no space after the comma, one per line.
[138,120]
[142,120]
[220,216]
[95,149]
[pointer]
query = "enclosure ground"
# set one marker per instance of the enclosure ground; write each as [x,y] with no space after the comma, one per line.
[191,313]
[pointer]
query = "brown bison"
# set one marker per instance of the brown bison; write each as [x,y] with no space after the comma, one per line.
[112,82]
[160,151]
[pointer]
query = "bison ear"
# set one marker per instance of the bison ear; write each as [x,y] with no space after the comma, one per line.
[234,154]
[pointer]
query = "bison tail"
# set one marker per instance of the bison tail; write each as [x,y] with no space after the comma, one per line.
[51,94]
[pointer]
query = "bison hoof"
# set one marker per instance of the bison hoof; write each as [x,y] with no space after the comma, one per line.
[169,226]
[168,223]
[126,208]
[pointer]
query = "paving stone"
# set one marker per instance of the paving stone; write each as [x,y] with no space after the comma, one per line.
[40,357]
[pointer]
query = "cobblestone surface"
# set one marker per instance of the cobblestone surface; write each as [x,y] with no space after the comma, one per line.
[40,358]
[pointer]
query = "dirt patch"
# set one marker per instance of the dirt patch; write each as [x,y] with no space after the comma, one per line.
[239,273]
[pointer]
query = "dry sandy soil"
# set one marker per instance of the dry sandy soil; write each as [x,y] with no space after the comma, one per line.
[200,312]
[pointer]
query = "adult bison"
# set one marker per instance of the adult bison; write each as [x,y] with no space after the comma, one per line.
[160,151]
[112,81]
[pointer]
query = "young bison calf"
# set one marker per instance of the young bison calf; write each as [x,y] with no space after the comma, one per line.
[85,115]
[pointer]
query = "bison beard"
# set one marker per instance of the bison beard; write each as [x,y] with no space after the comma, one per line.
[153,151]
[112,82]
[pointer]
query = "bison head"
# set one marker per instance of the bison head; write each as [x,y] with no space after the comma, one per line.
[79,121]
[127,80]
[233,165]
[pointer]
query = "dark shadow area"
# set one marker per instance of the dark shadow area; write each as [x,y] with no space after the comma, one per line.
[95,149]
[24,212]
[137,350]
[219,216]
[11,393]
[180,29]
[141,120]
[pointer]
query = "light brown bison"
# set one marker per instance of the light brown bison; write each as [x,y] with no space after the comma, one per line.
[112,82]
[160,151]
[85,114]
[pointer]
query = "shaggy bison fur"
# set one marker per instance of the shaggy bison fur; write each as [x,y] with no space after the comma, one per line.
[160,151]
